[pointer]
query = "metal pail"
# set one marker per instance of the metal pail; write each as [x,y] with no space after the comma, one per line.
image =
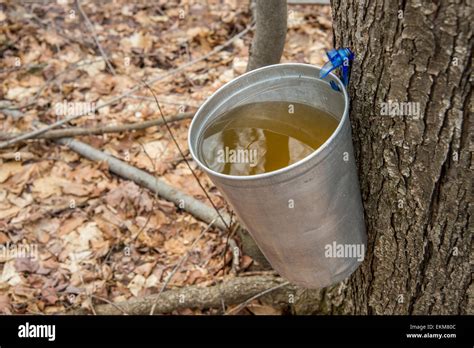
[307,218]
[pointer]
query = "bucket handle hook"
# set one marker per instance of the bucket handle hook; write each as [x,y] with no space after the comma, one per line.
[341,57]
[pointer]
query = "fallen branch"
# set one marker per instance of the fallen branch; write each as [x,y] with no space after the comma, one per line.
[188,203]
[234,291]
[171,72]
[77,131]
[256,296]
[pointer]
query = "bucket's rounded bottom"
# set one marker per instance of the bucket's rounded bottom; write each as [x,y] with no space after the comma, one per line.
[325,281]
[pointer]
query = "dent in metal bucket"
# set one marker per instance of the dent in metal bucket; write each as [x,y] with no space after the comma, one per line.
[320,238]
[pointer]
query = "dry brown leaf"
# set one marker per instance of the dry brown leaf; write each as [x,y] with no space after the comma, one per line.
[9,213]
[53,38]
[197,31]
[259,309]
[24,264]
[20,93]
[21,202]
[55,186]
[49,295]
[43,237]
[9,274]
[145,269]
[70,225]
[100,247]
[104,83]
[19,179]
[175,246]
[245,262]
[5,304]
[75,189]
[3,238]
[46,187]
[141,40]
[95,68]
[143,17]
[193,276]
[137,284]
[8,169]
[78,244]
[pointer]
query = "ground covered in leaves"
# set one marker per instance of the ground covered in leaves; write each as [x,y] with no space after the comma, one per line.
[89,236]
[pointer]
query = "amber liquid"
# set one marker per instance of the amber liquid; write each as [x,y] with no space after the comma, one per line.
[263,137]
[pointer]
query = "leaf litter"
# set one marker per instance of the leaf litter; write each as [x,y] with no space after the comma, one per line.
[88,231]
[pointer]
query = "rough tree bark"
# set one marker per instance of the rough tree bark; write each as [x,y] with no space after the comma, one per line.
[414,172]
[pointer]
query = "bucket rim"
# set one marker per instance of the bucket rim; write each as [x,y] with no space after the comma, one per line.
[284,170]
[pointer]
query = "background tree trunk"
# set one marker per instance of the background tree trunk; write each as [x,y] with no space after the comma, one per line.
[414,173]
[269,40]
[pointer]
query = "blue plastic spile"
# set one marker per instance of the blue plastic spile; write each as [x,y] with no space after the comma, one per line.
[338,58]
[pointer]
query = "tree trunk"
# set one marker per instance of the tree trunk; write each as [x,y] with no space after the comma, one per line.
[267,45]
[414,171]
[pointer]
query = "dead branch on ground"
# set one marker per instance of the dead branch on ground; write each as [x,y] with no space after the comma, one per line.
[234,291]
[98,130]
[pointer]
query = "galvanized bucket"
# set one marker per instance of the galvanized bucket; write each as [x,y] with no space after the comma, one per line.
[306,218]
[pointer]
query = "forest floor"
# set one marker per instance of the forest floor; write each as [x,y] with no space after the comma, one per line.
[94,237]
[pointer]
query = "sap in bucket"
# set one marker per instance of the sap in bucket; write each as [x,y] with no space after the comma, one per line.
[291,177]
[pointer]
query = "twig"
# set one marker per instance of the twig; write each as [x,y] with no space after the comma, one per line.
[235,256]
[229,234]
[153,205]
[145,225]
[94,35]
[15,114]
[164,101]
[70,132]
[29,67]
[180,263]
[255,273]
[37,132]
[46,24]
[244,304]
